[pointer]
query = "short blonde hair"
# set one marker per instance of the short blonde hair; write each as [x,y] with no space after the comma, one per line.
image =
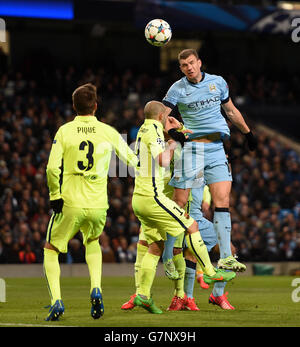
[153,109]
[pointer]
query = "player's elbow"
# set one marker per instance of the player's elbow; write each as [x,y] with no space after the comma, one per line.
[133,161]
[164,163]
[52,171]
[230,113]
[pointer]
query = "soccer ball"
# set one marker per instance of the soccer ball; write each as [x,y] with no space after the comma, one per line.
[158,32]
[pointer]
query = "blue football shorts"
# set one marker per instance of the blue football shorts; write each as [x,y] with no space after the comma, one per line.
[200,163]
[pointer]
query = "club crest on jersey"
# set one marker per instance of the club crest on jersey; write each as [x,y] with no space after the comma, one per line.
[212,87]
[160,142]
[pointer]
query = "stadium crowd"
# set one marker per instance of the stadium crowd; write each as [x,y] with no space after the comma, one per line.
[265,201]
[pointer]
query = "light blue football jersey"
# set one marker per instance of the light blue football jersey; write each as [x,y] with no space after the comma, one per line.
[200,104]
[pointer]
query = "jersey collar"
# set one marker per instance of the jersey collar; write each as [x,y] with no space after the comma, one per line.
[85,118]
[154,121]
[202,78]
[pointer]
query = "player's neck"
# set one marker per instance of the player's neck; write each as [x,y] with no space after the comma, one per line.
[197,78]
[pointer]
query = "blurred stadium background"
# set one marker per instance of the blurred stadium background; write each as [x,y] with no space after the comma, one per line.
[50,47]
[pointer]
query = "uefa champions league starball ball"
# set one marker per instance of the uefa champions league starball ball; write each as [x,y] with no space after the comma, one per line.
[158,32]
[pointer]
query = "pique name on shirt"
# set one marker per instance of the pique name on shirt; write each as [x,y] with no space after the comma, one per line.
[86,130]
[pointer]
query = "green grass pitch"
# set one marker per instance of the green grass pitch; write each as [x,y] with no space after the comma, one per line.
[260,301]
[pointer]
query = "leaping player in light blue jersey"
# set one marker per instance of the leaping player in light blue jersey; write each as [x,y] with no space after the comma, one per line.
[199,97]
[199,104]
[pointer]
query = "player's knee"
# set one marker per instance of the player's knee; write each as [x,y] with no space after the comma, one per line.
[177,251]
[181,197]
[180,201]
[49,246]
[156,248]
[143,243]
[189,256]
[193,228]
[221,200]
[91,240]
[220,193]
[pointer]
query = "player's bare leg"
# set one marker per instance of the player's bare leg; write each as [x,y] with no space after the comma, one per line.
[181,196]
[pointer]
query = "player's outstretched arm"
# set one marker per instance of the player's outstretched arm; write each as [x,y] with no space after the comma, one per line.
[235,116]
[165,157]
[122,150]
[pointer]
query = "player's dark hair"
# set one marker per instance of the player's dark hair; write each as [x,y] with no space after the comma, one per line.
[84,99]
[186,53]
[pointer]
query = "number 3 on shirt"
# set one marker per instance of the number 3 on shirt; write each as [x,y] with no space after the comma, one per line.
[89,155]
